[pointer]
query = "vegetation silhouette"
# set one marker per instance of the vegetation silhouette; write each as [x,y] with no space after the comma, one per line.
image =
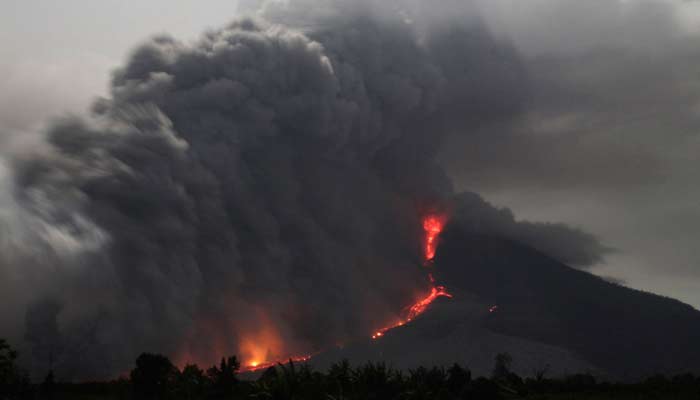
[223,379]
[14,383]
[155,377]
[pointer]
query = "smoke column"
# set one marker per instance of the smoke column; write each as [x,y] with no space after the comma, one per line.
[259,192]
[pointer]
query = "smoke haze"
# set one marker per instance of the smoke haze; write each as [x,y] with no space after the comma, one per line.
[268,180]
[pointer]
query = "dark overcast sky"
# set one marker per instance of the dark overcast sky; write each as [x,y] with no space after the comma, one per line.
[608,140]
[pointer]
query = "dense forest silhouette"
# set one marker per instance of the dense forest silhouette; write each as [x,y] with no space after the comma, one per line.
[155,377]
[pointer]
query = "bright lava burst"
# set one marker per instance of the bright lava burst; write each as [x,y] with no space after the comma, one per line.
[433,225]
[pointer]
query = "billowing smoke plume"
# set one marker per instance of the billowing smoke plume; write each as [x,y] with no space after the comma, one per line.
[258,192]
[571,246]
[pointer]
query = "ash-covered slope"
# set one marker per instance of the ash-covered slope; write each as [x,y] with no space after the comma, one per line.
[623,332]
[547,314]
[454,331]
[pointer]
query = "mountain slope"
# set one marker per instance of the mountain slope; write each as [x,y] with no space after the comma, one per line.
[623,332]
[454,331]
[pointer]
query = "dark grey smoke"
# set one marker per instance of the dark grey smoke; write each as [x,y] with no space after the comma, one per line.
[261,179]
[609,137]
[568,245]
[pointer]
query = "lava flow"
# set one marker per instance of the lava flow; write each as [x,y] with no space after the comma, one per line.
[433,225]
[253,366]
[415,310]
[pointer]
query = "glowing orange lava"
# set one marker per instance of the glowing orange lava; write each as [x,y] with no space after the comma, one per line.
[262,346]
[415,310]
[258,366]
[433,225]
[418,308]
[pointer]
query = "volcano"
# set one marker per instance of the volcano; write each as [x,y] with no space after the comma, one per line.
[509,297]
[277,187]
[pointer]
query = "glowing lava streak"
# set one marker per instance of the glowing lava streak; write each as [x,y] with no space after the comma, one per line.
[415,310]
[256,355]
[418,308]
[258,366]
[433,225]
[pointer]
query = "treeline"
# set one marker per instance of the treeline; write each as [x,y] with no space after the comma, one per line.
[154,377]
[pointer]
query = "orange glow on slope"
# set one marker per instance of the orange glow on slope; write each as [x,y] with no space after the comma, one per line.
[261,350]
[256,366]
[261,345]
[433,225]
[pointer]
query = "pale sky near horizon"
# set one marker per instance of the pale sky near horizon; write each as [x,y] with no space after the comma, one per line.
[58,56]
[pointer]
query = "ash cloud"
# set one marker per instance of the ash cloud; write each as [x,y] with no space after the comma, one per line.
[608,140]
[569,245]
[269,177]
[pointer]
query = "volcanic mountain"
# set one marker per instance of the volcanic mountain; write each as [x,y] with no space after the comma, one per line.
[509,297]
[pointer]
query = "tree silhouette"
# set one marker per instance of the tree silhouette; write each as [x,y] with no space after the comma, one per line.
[507,380]
[48,386]
[501,368]
[424,383]
[458,379]
[224,378]
[7,361]
[484,389]
[191,383]
[340,379]
[291,381]
[539,373]
[154,377]
[14,383]
[377,381]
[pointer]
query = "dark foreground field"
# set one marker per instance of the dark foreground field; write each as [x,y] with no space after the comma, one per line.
[155,377]
[478,389]
[376,382]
